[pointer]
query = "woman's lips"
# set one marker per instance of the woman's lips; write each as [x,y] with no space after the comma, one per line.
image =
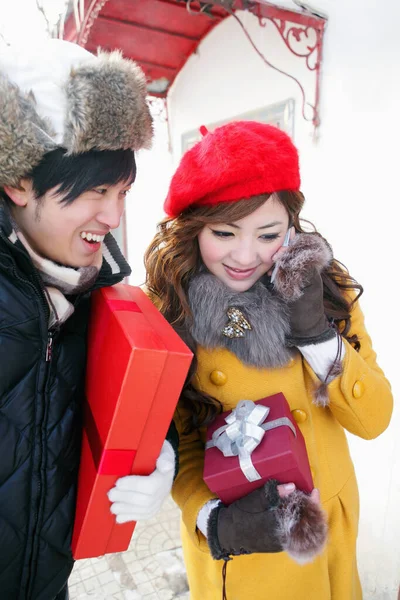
[239,273]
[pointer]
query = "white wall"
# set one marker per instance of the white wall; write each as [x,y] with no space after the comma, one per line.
[349,179]
[144,204]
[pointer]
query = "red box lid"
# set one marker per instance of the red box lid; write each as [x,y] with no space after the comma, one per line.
[129,344]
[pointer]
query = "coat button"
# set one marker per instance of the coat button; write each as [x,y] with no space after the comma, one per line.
[358,389]
[218,377]
[299,415]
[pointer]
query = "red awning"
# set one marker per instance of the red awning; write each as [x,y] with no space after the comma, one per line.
[159,34]
[162,34]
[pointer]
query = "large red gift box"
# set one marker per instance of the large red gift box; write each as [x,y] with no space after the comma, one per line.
[136,367]
[280,455]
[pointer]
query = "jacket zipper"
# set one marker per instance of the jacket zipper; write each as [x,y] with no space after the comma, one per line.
[49,348]
[48,355]
[41,457]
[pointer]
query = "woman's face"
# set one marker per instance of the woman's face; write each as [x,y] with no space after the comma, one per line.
[71,234]
[239,253]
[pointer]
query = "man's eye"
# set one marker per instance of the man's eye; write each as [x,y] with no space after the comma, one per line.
[222,234]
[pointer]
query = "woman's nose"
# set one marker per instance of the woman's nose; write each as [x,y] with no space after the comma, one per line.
[244,255]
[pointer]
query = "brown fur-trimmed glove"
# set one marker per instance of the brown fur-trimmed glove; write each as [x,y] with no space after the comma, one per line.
[298,281]
[264,522]
[308,322]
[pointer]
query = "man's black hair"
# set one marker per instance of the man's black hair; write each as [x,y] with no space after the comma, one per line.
[76,174]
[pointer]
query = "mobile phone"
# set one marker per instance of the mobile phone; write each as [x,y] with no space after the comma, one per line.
[285,243]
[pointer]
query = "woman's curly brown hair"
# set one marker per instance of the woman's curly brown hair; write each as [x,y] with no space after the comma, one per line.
[173,257]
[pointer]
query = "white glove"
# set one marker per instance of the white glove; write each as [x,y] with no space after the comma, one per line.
[139,497]
[204,513]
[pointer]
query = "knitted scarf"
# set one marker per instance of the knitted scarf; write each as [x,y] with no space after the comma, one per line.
[60,281]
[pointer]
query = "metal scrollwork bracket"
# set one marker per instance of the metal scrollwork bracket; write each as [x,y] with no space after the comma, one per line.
[302,34]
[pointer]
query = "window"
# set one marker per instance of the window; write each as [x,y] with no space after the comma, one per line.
[280,114]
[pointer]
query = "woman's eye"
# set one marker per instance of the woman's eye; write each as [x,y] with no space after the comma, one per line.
[269,237]
[222,234]
[125,192]
[101,191]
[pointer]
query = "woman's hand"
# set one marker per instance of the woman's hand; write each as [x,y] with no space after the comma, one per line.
[270,519]
[287,488]
[281,251]
[308,322]
[298,280]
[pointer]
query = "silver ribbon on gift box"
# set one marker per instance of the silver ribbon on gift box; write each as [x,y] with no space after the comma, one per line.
[243,432]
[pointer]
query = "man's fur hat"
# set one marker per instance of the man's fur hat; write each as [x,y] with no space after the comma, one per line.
[60,95]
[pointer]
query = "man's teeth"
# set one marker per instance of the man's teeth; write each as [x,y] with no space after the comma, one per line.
[92,237]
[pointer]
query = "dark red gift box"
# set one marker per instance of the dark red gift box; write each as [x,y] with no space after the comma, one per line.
[136,367]
[281,455]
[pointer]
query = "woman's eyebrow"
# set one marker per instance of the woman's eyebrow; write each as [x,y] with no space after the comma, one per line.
[232,225]
[270,224]
[262,227]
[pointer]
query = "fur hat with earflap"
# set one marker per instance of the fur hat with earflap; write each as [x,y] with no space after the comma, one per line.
[61,95]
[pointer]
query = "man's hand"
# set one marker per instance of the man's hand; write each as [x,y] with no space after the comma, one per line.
[139,497]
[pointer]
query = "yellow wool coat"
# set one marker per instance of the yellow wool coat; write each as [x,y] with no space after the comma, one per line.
[360,402]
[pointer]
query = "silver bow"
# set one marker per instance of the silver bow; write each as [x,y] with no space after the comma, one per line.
[243,433]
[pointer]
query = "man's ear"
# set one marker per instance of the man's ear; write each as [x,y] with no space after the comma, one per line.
[21,194]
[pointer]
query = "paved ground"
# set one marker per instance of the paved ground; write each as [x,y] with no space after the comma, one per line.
[152,568]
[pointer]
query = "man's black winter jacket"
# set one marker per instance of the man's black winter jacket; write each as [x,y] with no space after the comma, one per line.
[41,395]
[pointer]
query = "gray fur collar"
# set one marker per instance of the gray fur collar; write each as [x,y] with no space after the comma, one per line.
[264,345]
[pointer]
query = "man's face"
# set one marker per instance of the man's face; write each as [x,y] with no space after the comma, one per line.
[70,234]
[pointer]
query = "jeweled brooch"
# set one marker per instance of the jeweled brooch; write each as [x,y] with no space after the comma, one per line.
[237,325]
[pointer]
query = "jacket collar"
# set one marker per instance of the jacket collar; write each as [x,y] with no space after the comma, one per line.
[5,224]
